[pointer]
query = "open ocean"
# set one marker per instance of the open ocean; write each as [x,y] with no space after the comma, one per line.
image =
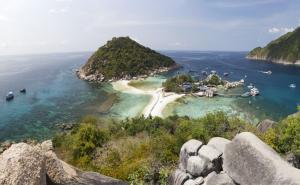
[55,95]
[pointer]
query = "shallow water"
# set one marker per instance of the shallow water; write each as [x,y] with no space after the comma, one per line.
[56,95]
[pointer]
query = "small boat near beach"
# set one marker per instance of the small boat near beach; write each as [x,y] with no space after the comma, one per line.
[23,91]
[225,74]
[292,85]
[250,86]
[10,96]
[246,94]
[254,91]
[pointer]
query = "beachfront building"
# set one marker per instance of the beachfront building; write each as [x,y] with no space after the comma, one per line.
[187,87]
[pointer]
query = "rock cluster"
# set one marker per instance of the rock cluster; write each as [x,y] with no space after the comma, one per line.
[245,160]
[38,165]
[98,77]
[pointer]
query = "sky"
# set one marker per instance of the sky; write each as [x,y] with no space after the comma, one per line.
[49,26]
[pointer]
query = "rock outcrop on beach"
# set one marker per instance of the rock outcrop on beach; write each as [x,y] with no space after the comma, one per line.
[246,160]
[285,49]
[123,58]
[38,165]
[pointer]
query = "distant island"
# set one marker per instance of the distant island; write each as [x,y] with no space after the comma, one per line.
[285,49]
[124,58]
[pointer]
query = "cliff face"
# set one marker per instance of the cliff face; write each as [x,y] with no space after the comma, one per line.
[123,57]
[285,49]
[39,165]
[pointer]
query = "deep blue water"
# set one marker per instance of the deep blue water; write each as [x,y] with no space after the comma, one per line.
[56,95]
[277,99]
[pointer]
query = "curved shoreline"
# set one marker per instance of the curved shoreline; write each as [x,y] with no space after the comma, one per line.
[158,102]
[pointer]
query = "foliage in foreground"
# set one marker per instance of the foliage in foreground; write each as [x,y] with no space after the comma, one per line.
[140,150]
[285,136]
[145,150]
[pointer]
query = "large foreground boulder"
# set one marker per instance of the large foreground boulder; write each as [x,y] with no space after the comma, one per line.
[218,143]
[190,148]
[248,161]
[22,164]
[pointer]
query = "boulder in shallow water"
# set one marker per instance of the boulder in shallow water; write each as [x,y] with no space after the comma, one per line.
[22,164]
[248,161]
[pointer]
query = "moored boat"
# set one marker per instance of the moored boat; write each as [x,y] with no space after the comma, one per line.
[250,86]
[225,74]
[246,94]
[254,91]
[23,90]
[292,85]
[10,96]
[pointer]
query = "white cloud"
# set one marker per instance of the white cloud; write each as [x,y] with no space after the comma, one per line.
[3,18]
[274,30]
[57,11]
[283,30]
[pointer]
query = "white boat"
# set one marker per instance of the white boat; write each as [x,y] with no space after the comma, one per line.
[10,96]
[225,74]
[250,86]
[254,91]
[266,72]
[292,85]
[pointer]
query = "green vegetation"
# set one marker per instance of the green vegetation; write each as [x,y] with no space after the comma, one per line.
[122,57]
[140,150]
[285,136]
[174,84]
[286,48]
[213,80]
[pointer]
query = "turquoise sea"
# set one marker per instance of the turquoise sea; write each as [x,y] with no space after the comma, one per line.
[55,95]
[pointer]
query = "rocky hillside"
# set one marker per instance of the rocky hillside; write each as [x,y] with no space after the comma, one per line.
[23,164]
[123,57]
[285,49]
[245,160]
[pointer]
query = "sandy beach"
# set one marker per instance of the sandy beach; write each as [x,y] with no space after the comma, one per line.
[158,101]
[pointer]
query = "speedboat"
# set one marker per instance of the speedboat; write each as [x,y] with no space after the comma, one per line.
[292,85]
[250,86]
[23,90]
[246,94]
[254,91]
[225,74]
[10,96]
[266,72]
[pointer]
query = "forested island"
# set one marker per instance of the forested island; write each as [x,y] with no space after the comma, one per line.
[285,49]
[124,58]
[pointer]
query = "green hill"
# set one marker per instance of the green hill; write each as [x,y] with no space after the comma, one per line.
[285,49]
[123,57]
